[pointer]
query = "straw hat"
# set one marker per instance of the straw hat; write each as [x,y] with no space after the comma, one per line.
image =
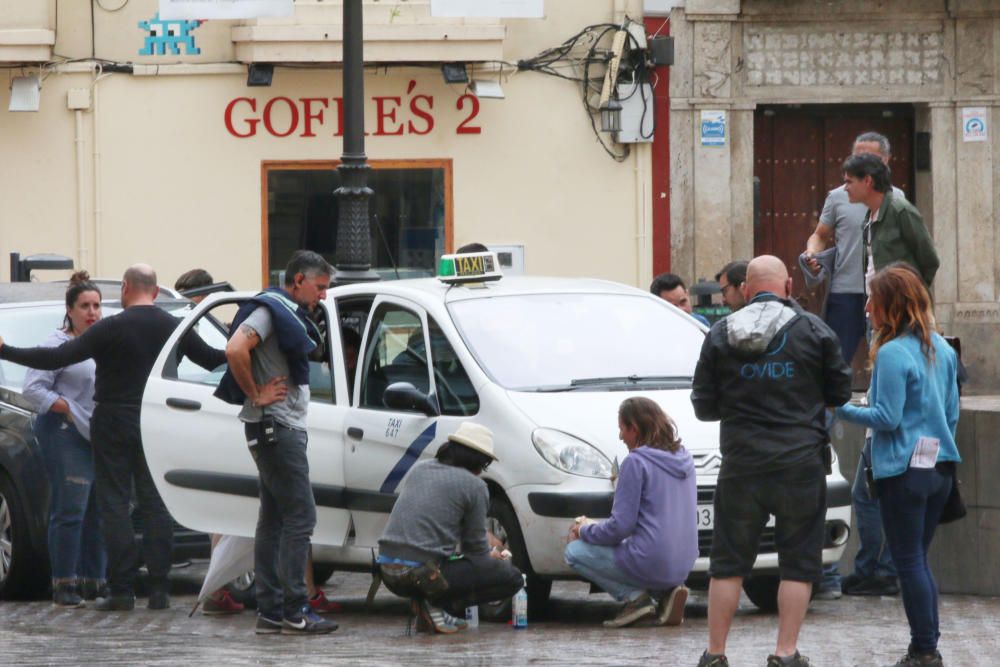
[475,436]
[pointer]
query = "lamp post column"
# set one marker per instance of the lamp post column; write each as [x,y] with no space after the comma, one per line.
[353,255]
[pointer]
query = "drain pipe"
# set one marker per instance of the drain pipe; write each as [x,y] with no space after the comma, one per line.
[81,214]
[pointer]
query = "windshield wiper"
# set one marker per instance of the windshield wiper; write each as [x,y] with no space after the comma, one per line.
[631,379]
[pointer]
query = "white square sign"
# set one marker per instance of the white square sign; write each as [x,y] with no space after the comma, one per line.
[224,9]
[510,9]
[975,127]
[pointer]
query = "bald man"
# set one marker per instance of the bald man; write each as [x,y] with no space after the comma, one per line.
[124,348]
[767,372]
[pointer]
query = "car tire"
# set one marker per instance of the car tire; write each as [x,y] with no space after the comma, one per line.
[243,591]
[763,591]
[20,574]
[504,524]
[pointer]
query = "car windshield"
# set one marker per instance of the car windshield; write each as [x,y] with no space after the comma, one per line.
[31,326]
[569,342]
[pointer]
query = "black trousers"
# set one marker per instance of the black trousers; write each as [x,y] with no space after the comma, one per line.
[472,580]
[120,466]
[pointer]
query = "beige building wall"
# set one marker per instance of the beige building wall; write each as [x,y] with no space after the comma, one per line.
[160,179]
[941,56]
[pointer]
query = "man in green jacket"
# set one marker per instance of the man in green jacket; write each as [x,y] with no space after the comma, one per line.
[894,231]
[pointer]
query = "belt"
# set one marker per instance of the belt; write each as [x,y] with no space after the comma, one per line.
[386,560]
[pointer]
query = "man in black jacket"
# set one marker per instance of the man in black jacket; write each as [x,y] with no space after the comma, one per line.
[124,348]
[768,371]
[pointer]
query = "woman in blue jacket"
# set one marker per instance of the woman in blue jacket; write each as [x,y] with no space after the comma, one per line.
[644,552]
[912,413]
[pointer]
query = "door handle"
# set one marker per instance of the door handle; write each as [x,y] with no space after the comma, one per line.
[355,433]
[183,404]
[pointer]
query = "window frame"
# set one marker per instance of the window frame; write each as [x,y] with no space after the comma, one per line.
[266,166]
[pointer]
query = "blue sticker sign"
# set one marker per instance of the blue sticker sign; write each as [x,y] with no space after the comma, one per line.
[168,34]
[713,128]
[974,124]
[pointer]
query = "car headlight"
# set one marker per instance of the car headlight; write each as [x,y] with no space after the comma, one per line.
[570,454]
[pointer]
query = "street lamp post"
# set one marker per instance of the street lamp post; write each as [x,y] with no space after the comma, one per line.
[353,256]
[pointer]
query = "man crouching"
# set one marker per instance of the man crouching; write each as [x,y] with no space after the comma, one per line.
[443,507]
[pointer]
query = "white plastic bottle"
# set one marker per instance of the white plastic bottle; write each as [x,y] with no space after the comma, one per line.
[472,616]
[519,607]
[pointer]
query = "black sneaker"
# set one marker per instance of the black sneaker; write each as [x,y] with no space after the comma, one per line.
[268,624]
[797,660]
[871,586]
[912,659]
[710,660]
[65,595]
[633,611]
[307,622]
[91,589]
[158,599]
[116,602]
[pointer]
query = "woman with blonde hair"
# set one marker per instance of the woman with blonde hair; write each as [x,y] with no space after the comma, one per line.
[644,552]
[913,412]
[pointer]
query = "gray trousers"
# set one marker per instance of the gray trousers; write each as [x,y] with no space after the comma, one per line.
[285,522]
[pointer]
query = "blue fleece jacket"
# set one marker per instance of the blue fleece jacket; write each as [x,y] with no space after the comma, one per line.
[653,524]
[909,398]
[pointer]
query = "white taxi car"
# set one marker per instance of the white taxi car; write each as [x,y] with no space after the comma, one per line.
[543,362]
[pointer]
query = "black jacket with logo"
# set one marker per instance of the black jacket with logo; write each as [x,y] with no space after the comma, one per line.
[768,371]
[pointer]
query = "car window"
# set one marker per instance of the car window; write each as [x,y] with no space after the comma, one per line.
[211,330]
[352,313]
[455,393]
[26,327]
[552,342]
[395,353]
[320,378]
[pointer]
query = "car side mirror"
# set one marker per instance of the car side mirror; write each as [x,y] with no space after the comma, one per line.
[404,396]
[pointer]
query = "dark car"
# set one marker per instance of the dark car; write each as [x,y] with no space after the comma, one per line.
[29,313]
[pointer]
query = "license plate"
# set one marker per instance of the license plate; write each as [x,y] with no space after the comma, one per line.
[706,517]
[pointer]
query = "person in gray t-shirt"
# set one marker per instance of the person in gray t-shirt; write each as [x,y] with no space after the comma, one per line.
[274,416]
[437,531]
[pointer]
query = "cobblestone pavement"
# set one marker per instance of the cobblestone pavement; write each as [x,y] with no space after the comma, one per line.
[847,632]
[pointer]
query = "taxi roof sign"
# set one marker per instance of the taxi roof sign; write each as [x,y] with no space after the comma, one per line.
[473,267]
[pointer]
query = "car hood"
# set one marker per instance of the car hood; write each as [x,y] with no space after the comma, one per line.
[593,416]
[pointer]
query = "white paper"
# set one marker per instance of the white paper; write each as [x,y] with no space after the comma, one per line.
[713,128]
[925,453]
[224,9]
[511,9]
[975,127]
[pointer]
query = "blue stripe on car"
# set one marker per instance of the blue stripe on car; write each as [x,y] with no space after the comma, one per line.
[410,457]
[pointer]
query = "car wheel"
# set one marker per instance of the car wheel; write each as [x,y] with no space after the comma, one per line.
[763,591]
[322,572]
[242,590]
[17,578]
[503,523]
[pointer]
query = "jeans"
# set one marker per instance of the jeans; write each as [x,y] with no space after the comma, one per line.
[120,465]
[845,313]
[596,563]
[911,508]
[76,549]
[285,522]
[472,580]
[873,557]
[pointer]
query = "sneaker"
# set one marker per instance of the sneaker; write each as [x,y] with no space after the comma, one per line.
[321,604]
[221,605]
[912,659]
[828,594]
[158,599]
[65,595]
[871,586]
[710,660]
[307,622]
[433,619]
[457,621]
[91,589]
[268,624]
[116,602]
[797,660]
[670,611]
[633,611]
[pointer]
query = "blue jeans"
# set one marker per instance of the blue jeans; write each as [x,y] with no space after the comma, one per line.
[911,508]
[76,549]
[873,557]
[596,563]
[284,524]
[845,313]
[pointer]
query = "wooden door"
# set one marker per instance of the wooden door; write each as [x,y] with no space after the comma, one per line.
[798,152]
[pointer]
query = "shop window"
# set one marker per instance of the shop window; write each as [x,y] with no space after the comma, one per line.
[409,213]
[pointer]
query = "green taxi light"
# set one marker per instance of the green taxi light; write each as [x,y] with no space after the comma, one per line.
[473,267]
[446,267]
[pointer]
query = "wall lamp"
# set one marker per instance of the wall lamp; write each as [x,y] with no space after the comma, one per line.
[25,93]
[260,74]
[611,116]
[454,73]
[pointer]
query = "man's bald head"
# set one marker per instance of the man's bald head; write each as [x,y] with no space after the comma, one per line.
[140,277]
[767,273]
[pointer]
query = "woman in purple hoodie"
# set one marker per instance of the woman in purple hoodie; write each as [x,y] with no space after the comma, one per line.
[644,552]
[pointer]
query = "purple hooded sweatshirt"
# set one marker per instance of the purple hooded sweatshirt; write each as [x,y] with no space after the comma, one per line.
[653,524]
